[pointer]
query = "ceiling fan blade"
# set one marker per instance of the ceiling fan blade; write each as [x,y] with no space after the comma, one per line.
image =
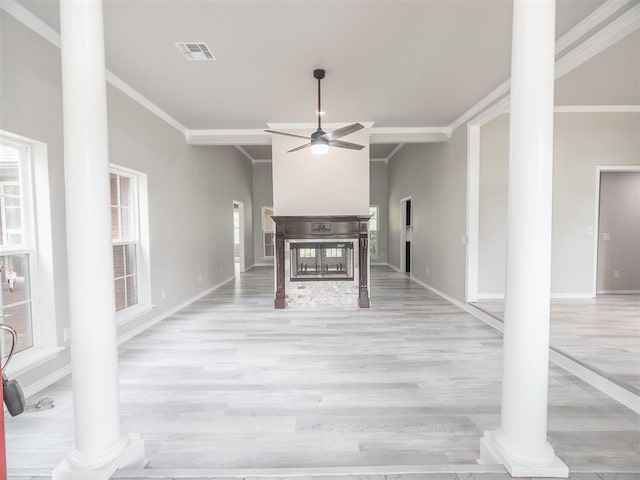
[287,134]
[341,132]
[306,145]
[349,145]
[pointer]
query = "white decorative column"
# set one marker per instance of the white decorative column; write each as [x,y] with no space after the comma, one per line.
[99,447]
[520,443]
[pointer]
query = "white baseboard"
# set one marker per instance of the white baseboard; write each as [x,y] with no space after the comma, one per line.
[606,386]
[262,265]
[490,296]
[618,292]
[562,295]
[392,266]
[571,295]
[47,381]
[158,318]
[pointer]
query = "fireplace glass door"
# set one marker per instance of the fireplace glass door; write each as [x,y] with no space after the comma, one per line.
[322,261]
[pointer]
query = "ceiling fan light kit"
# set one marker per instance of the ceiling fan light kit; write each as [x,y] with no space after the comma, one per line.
[319,141]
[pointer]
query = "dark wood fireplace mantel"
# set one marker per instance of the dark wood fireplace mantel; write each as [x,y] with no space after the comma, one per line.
[330,227]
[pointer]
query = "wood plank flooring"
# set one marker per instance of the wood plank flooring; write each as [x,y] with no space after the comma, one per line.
[231,383]
[603,333]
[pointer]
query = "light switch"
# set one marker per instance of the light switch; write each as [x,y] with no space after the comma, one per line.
[606,236]
[589,230]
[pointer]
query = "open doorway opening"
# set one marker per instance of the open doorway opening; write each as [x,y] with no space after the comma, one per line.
[238,237]
[406,235]
[618,227]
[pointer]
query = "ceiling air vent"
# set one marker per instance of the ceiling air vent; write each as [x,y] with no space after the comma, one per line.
[195,51]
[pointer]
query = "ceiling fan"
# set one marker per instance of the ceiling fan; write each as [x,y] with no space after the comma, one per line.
[319,141]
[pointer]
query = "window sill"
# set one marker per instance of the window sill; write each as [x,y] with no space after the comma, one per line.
[31,358]
[131,313]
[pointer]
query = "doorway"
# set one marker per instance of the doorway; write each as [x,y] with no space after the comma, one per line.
[238,237]
[618,233]
[406,235]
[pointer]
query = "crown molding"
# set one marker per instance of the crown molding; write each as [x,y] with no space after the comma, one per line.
[125,88]
[31,21]
[597,109]
[628,22]
[404,135]
[228,137]
[246,154]
[314,125]
[615,31]
[598,16]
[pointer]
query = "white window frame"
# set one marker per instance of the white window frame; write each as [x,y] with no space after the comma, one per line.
[140,235]
[46,339]
[265,230]
[377,230]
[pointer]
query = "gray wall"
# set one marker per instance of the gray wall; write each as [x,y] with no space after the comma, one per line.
[190,188]
[620,219]
[435,176]
[582,142]
[379,195]
[262,197]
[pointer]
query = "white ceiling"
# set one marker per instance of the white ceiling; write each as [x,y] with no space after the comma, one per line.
[418,63]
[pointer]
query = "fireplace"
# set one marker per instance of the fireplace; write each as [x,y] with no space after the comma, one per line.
[321,261]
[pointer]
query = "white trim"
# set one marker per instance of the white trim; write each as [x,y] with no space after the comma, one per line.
[28,19]
[130,314]
[473,213]
[618,292]
[478,107]
[571,295]
[597,381]
[262,160]
[622,26]
[158,318]
[411,130]
[125,88]
[306,125]
[555,296]
[31,21]
[488,296]
[594,19]
[262,264]
[597,109]
[241,238]
[246,154]
[395,150]
[607,36]
[44,382]
[596,220]
[378,160]
[31,358]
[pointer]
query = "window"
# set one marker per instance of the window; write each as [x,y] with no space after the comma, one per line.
[268,232]
[307,253]
[373,231]
[125,235]
[17,245]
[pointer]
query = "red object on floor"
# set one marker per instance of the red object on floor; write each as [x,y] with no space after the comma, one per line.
[3,450]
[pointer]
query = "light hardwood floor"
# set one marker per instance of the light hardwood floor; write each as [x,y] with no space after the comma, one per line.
[603,333]
[231,383]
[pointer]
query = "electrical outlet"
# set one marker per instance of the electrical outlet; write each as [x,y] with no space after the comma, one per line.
[589,230]
[427,270]
[221,269]
[162,293]
[200,278]
[616,274]
[65,334]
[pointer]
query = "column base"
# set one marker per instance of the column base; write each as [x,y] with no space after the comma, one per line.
[492,452]
[130,455]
